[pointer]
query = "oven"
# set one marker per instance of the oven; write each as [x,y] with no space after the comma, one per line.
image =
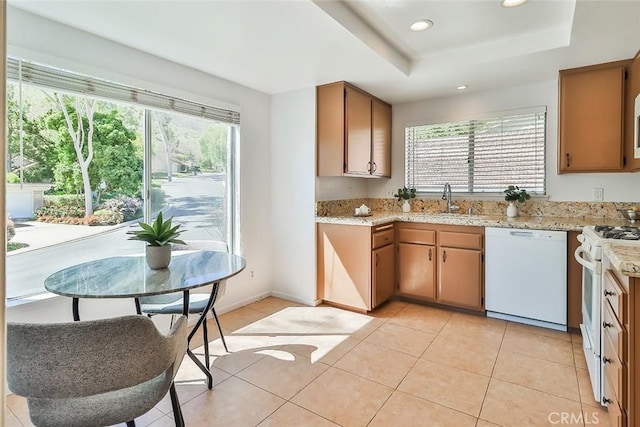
[589,257]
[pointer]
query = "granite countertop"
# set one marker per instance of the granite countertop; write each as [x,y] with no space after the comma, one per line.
[534,223]
[625,257]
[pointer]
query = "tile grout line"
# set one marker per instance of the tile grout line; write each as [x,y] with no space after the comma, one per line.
[493,368]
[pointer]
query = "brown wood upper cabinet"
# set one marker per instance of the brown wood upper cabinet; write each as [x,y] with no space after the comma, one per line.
[633,90]
[353,132]
[591,118]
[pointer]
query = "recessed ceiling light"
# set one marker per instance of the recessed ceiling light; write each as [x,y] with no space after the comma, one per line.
[512,3]
[421,25]
[462,87]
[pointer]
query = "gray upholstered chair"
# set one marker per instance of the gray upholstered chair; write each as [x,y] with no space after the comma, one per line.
[172,303]
[94,373]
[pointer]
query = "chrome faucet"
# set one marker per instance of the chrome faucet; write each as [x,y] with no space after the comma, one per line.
[446,195]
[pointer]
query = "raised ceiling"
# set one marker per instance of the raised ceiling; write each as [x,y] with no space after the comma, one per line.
[278,46]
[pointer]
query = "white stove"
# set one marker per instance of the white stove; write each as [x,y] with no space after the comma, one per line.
[589,255]
[594,236]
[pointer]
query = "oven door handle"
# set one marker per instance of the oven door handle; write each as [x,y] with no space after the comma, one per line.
[580,255]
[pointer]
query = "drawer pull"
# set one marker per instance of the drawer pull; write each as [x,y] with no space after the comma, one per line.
[607,293]
[606,401]
[606,360]
[607,325]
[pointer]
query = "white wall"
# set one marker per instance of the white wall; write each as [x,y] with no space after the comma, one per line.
[618,187]
[38,39]
[292,195]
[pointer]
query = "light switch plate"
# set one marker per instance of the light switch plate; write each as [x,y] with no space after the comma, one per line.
[598,194]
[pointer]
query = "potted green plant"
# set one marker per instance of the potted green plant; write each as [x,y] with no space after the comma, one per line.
[159,237]
[405,194]
[512,194]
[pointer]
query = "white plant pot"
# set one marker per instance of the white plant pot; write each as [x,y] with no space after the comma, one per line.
[406,206]
[158,257]
[512,210]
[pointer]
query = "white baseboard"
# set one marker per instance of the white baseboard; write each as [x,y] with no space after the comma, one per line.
[294,298]
[220,309]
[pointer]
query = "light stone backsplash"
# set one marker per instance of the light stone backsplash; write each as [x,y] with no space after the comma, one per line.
[531,208]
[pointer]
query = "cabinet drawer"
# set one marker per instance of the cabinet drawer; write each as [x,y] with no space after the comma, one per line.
[613,329]
[382,238]
[410,235]
[616,414]
[460,240]
[614,371]
[615,294]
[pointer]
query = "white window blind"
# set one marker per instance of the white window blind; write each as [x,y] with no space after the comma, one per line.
[67,81]
[478,156]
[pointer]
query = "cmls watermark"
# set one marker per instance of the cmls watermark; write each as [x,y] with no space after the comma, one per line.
[572,418]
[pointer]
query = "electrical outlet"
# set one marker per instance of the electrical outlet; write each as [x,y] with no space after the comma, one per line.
[251,274]
[598,194]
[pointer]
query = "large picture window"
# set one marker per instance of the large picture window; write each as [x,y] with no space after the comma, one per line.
[478,156]
[88,158]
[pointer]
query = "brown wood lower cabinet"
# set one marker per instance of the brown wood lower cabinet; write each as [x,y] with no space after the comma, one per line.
[460,277]
[417,270]
[356,265]
[441,263]
[383,262]
[620,351]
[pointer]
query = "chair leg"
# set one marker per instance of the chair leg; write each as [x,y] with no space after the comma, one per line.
[131,424]
[215,317]
[206,343]
[175,404]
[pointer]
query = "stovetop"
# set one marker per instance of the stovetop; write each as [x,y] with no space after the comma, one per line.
[593,237]
[626,232]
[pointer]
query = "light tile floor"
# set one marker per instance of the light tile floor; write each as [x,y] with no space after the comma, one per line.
[402,365]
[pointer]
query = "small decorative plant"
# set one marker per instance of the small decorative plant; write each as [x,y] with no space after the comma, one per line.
[160,233]
[405,194]
[516,194]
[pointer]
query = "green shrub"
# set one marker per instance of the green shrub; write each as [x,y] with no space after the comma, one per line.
[13,178]
[59,208]
[108,217]
[129,207]
[11,229]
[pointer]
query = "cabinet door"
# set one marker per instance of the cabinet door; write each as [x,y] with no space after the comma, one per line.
[417,270]
[632,123]
[330,129]
[383,274]
[357,132]
[460,277]
[381,139]
[591,119]
[344,265]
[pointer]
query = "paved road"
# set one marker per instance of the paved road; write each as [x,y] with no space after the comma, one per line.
[26,271]
[197,202]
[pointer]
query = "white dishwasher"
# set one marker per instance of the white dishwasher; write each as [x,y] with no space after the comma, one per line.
[526,276]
